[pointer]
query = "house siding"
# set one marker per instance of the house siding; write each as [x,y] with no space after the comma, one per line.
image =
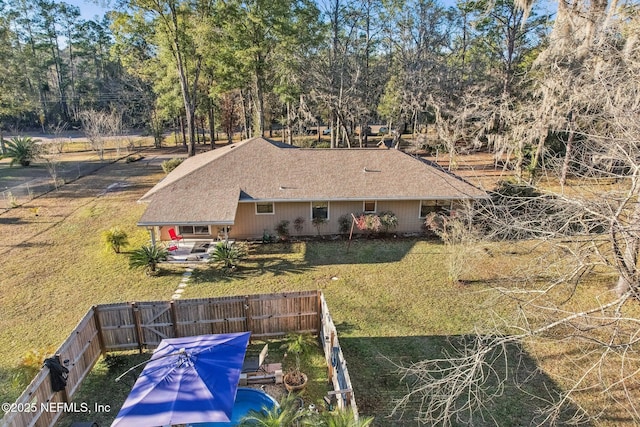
[249,225]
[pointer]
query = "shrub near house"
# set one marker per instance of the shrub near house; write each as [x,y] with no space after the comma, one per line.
[376,224]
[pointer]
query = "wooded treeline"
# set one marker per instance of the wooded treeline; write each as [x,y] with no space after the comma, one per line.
[247,66]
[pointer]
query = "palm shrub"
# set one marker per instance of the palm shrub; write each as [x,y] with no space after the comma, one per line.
[344,418]
[300,346]
[148,257]
[21,149]
[228,255]
[115,238]
[286,415]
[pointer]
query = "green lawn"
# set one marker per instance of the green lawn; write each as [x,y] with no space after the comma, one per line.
[389,298]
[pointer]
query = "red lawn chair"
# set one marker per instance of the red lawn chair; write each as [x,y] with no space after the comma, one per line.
[174,236]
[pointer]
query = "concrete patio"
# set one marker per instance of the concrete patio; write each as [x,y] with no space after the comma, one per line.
[190,251]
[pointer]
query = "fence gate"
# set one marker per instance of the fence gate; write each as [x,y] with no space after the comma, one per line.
[154,323]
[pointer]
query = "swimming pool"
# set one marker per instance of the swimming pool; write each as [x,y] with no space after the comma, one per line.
[246,400]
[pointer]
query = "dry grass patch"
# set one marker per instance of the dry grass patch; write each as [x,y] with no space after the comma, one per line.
[55,267]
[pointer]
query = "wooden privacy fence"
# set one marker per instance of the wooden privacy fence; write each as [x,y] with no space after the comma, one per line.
[142,325]
[336,363]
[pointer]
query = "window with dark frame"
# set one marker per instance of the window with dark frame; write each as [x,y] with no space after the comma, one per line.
[193,229]
[319,210]
[264,208]
[369,206]
[429,206]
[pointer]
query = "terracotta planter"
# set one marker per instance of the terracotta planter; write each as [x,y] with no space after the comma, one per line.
[295,381]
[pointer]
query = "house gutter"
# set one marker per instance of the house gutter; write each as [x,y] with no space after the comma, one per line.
[172,223]
[360,199]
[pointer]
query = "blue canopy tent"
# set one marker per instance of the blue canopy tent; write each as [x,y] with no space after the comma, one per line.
[187,380]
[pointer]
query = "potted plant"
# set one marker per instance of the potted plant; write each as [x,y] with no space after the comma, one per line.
[299,345]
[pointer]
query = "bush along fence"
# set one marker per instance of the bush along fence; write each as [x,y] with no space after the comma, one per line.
[142,325]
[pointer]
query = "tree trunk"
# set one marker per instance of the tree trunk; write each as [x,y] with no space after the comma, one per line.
[175,131]
[629,237]
[258,101]
[246,131]
[212,127]
[182,132]
[189,98]
[568,153]
[332,129]
[628,260]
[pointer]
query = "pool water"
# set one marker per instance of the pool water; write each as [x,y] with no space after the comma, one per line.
[246,400]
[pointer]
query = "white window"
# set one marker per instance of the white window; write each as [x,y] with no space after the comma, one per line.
[193,229]
[264,208]
[320,210]
[428,206]
[369,206]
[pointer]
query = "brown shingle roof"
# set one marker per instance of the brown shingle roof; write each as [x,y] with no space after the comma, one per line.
[206,188]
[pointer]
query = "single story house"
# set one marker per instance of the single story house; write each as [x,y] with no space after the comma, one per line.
[244,189]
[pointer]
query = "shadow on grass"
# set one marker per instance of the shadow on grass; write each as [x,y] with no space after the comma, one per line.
[378,384]
[346,327]
[274,265]
[300,257]
[257,248]
[11,220]
[328,252]
[360,251]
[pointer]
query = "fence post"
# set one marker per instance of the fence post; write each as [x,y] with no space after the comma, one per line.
[330,364]
[174,319]
[96,321]
[138,324]
[247,313]
[320,312]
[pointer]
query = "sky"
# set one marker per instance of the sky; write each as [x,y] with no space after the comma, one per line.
[90,8]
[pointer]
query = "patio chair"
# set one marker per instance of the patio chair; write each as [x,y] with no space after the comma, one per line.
[254,363]
[175,236]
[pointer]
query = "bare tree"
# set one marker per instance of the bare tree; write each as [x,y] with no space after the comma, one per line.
[50,153]
[579,291]
[98,126]
[459,236]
